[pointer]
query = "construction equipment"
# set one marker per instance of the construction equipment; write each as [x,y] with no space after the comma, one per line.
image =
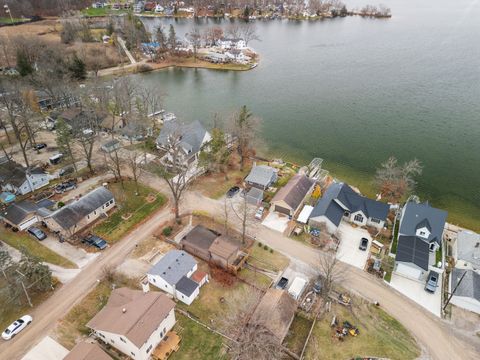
[344,299]
[352,330]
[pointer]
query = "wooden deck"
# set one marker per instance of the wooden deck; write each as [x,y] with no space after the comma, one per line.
[169,344]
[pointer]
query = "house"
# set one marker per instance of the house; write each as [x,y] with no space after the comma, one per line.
[466,284]
[134,322]
[231,43]
[87,351]
[261,177]
[339,202]
[190,138]
[76,215]
[419,237]
[21,215]
[290,198]
[224,252]
[173,274]
[254,196]
[275,312]
[467,255]
[20,180]
[110,146]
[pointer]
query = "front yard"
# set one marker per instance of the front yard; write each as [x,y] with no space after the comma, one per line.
[215,186]
[269,259]
[131,210]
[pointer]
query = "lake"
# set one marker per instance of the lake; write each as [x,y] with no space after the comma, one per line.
[355,91]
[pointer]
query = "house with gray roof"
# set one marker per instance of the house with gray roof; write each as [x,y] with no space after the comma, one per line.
[77,214]
[18,179]
[191,138]
[172,274]
[23,214]
[466,284]
[261,177]
[340,201]
[419,237]
[467,254]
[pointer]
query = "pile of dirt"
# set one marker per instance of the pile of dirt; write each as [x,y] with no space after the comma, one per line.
[221,276]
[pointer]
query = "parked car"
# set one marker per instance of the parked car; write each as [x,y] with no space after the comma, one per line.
[37,233]
[40,146]
[95,241]
[363,244]
[259,213]
[432,282]
[233,191]
[67,170]
[16,327]
[282,283]
[65,186]
[317,287]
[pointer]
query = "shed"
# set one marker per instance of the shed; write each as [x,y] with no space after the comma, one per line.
[297,287]
[254,196]
[305,214]
[224,251]
[197,242]
[110,146]
[262,177]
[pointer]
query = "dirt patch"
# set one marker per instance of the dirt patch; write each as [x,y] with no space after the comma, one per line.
[151,198]
[126,216]
[224,278]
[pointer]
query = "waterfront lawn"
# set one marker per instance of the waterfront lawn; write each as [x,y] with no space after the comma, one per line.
[95,12]
[297,334]
[196,341]
[21,240]
[380,335]
[131,210]
[263,258]
[215,185]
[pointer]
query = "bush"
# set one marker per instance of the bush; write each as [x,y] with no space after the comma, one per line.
[259,244]
[265,247]
[271,251]
[167,231]
[60,204]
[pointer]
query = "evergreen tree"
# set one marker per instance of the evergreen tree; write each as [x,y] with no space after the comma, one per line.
[78,69]
[24,65]
[172,37]
[161,38]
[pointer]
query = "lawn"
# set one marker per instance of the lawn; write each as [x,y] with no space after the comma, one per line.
[196,342]
[7,20]
[297,334]
[215,186]
[265,259]
[393,250]
[131,210]
[258,279]
[21,240]
[380,336]
[95,12]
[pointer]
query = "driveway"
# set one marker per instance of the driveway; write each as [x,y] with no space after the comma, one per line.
[348,251]
[47,349]
[76,255]
[415,290]
[276,222]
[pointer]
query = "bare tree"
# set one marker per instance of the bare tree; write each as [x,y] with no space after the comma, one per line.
[331,272]
[249,32]
[244,127]
[133,161]
[195,38]
[114,165]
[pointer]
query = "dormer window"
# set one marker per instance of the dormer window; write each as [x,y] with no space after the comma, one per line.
[358,218]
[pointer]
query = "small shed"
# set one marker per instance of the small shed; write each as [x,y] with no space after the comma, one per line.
[297,287]
[254,196]
[262,177]
[110,146]
[305,214]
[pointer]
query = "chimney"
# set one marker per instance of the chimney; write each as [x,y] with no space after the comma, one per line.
[124,310]
[145,286]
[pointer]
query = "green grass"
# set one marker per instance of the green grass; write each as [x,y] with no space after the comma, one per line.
[215,186]
[7,20]
[380,336]
[95,12]
[260,280]
[115,227]
[438,256]
[395,239]
[196,341]
[265,259]
[21,240]
[297,334]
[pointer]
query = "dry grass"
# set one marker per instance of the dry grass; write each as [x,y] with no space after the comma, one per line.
[190,62]
[265,259]
[149,246]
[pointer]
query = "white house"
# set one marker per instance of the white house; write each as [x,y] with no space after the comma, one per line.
[231,43]
[76,215]
[159,8]
[173,274]
[21,180]
[134,322]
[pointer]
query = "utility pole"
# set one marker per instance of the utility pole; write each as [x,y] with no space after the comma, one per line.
[25,289]
[7,10]
[455,289]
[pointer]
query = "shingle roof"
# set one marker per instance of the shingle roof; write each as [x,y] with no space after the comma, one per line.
[12,173]
[72,213]
[261,174]
[255,194]
[411,249]
[87,351]
[192,135]
[201,237]
[173,266]
[17,212]
[470,285]
[468,247]
[295,191]
[423,214]
[186,286]
[144,312]
[224,247]
[327,207]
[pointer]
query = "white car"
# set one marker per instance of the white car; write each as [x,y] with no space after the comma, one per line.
[16,327]
[259,213]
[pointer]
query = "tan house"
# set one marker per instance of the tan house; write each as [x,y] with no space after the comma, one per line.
[134,322]
[87,351]
[76,215]
[290,198]
[224,252]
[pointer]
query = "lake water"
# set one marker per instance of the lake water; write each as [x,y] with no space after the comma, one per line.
[354,91]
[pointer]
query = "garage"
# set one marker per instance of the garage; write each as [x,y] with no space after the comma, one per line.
[26,224]
[282,210]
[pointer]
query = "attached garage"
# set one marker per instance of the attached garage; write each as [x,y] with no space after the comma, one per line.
[289,199]
[281,210]
[409,271]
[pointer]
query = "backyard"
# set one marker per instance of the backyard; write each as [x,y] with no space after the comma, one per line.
[131,210]
[265,258]
[297,334]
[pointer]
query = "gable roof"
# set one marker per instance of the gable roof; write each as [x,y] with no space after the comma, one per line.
[87,351]
[295,191]
[72,213]
[12,173]
[411,249]
[17,212]
[173,266]
[470,285]
[415,216]
[262,175]
[468,247]
[224,247]
[325,206]
[192,135]
[255,194]
[186,286]
[200,237]
[144,312]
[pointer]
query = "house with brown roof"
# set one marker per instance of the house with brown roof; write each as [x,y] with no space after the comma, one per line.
[87,351]
[275,312]
[198,241]
[224,252]
[134,322]
[290,198]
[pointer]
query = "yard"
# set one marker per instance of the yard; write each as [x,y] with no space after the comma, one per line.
[215,186]
[268,259]
[196,342]
[380,335]
[297,334]
[21,240]
[131,210]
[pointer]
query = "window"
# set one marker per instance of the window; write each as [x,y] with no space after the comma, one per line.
[358,218]
[95,212]
[154,280]
[111,340]
[432,246]
[131,352]
[376,221]
[422,233]
[122,339]
[149,348]
[101,335]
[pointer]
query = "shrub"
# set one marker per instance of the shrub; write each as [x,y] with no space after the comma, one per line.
[259,244]
[60,204]
[265,247]
[167,231]
[271,251]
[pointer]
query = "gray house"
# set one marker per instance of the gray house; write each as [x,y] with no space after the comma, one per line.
[419,237]
[289,199]
[18,179]
[341,202]
[467,293]
[261,177]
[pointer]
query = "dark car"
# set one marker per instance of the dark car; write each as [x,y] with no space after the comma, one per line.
[432,282]
[282,284]
[317,287]
[40,146]
[233,191]
[37,233]
[363,244]
[95,241]
[66,186]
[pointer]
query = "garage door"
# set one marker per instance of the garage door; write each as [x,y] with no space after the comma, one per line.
[25,225]
[408,271]
[282,210]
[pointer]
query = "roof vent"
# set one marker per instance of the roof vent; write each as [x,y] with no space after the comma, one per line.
[124,310]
